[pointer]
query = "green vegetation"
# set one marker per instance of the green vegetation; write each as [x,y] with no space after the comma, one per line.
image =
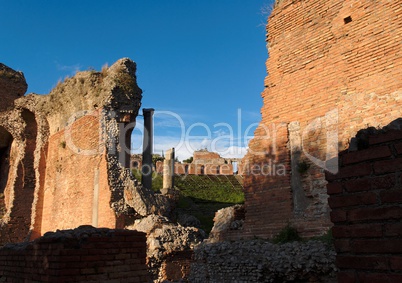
[224,189]
[290,234]
[156,158]
[203,195]
[157,181]
[286,235]
[188,160]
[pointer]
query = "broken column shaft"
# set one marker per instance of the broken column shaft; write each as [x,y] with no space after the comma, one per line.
[168,169]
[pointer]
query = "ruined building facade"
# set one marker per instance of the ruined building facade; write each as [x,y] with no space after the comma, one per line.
[334,68]
[204,163]
[64,156]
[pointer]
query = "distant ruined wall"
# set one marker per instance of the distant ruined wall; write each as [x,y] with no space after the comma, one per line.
[64,157]
[334,67]
[204,163]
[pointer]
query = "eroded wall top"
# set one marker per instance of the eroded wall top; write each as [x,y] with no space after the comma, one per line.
[113,88]
[12,86]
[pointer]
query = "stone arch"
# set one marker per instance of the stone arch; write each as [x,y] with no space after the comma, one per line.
[202,170]
[218,170]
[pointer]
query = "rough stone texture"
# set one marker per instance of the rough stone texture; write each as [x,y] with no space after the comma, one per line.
[84,254]
[261,261]
[334,67]
[188,220]
[63,155]
[366,202]
[227,222]
[12,86]
[166,244]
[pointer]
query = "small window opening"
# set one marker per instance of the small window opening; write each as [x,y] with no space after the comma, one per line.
[347,20]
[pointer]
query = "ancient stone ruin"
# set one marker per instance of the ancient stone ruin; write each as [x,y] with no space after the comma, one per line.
[65,159]
[204,163]
[334,69]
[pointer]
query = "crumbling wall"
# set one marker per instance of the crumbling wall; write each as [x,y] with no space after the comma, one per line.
[19,129]
[169,247]
[84,254]
[227,223]
[64,157]
[365,198]
[334,67]
[12,86]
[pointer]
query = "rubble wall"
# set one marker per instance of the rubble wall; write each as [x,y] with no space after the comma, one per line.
[365,198]
[81,255]
[334,67]
[261,261]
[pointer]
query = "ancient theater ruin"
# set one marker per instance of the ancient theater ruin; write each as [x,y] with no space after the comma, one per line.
[335,68]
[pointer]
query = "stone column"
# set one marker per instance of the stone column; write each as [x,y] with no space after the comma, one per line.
[147,148]
[168,169]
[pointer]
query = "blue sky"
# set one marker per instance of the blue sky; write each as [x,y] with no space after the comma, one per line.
[201,64]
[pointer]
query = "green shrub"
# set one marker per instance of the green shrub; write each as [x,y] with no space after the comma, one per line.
[286,235]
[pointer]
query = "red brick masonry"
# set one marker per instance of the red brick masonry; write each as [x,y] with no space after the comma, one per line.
[366,202]
[84,254]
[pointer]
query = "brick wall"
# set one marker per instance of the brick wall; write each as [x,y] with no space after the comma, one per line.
[334,68]
[177,266]
[81,255]
[366,203]
[72,177]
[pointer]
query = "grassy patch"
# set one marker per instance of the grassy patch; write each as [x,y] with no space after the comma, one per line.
[157,180]
[202,195]
[223,189]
